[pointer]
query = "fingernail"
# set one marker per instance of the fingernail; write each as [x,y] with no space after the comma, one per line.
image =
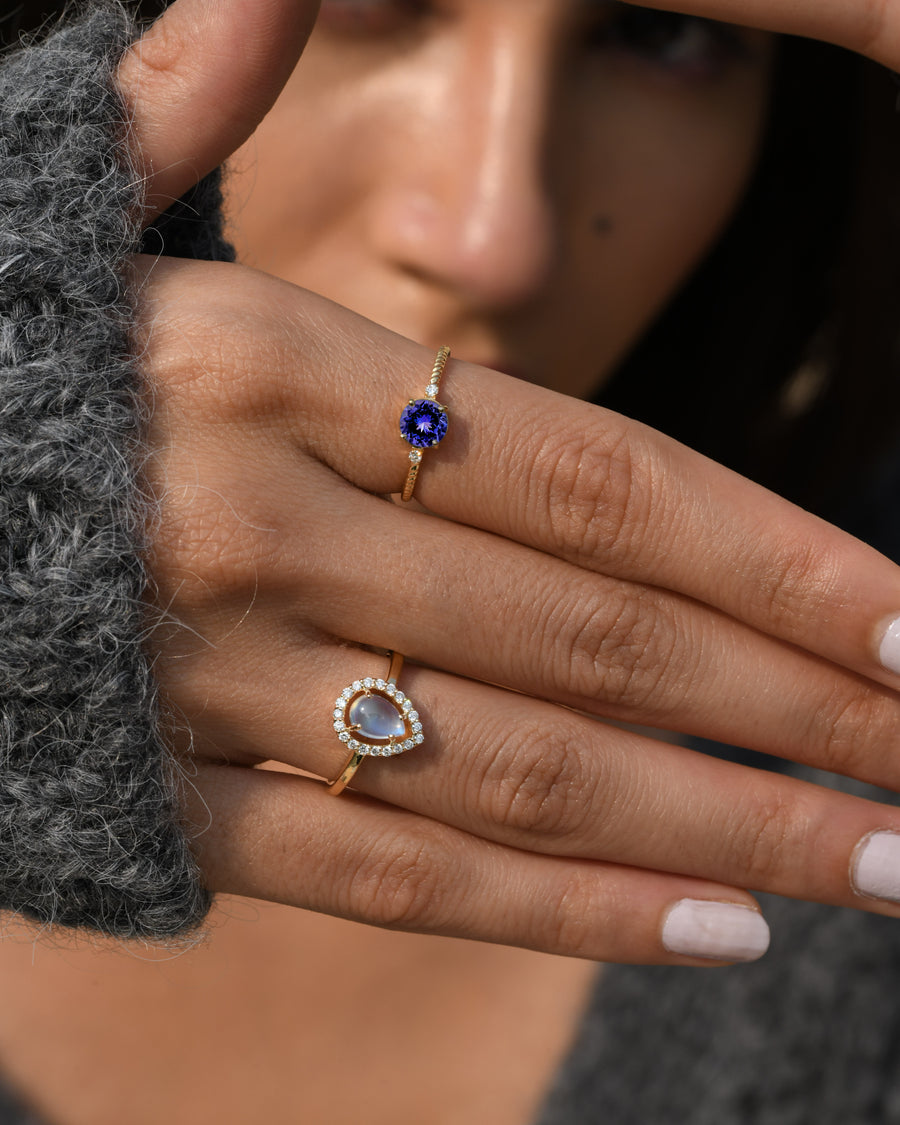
[721,931]
[875,866]
[889,649]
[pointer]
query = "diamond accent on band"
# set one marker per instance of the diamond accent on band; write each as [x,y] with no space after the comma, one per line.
[373,717]
[415,456]
[431,390]
[423,423]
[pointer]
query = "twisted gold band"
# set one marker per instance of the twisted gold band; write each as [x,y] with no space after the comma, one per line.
[423,422]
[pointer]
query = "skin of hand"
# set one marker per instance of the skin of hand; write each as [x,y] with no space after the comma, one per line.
[576,557]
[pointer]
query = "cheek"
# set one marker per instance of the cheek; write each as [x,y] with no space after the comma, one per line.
[292,186]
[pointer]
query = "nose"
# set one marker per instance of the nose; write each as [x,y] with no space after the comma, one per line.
[465,206]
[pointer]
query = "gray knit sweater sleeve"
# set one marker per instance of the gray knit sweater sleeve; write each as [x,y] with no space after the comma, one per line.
[90,828]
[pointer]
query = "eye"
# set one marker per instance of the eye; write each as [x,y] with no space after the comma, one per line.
[368,17]
[685,44]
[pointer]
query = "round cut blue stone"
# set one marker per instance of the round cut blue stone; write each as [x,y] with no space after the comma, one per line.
[423,423]
[375,718]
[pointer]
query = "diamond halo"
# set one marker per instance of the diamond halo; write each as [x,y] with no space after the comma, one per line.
[348,733]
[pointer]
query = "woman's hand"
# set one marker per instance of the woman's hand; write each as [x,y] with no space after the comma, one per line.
[578,558]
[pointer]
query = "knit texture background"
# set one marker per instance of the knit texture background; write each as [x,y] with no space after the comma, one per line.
[90,832]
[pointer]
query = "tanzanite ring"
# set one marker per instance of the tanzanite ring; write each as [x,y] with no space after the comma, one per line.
[423,422]
[372,717]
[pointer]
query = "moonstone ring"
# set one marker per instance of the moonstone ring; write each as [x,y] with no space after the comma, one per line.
[423,422]
[373,717]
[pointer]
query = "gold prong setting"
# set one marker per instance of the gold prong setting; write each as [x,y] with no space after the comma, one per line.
[367,727]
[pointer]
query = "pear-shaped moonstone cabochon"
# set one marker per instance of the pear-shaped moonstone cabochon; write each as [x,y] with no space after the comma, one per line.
[376,718]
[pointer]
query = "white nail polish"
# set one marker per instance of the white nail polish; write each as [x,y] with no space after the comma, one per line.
[721,931]
[889,649]
[875,866]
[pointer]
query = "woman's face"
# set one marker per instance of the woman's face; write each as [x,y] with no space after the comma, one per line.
[525,180]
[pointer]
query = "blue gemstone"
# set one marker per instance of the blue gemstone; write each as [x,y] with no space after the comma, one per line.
[423,423]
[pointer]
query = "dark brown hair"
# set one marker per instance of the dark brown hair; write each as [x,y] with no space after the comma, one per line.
[780,356]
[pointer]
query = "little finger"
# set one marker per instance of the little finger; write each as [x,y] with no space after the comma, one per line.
[282,838]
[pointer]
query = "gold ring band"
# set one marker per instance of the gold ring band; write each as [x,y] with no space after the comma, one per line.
[423,422]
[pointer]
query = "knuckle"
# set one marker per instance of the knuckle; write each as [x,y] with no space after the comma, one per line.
[849,731]
[210,348]
[535,785]
[593,490]
[760,839]
[398,884]
[795,584]
[206,550]
[162,52]
[623,651]
[567,919]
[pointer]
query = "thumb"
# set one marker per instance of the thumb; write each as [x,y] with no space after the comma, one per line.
[201,79]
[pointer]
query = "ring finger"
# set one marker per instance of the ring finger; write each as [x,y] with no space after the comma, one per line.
[528,774]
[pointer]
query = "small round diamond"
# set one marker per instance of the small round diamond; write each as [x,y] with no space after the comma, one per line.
[423,423]
[431,390]
[344,736]
[416,456]
[353,745]
[339,724]
[357,685]
[381,684]
[338,713]
[416,727]
[408,744]
[398,695]
[419,739]
[413,716]
[368,682]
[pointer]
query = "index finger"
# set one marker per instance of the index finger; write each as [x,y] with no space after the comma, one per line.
[562,476]
[581,483]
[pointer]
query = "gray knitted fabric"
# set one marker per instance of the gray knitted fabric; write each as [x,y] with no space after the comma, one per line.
[89,798]
[809,1035]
